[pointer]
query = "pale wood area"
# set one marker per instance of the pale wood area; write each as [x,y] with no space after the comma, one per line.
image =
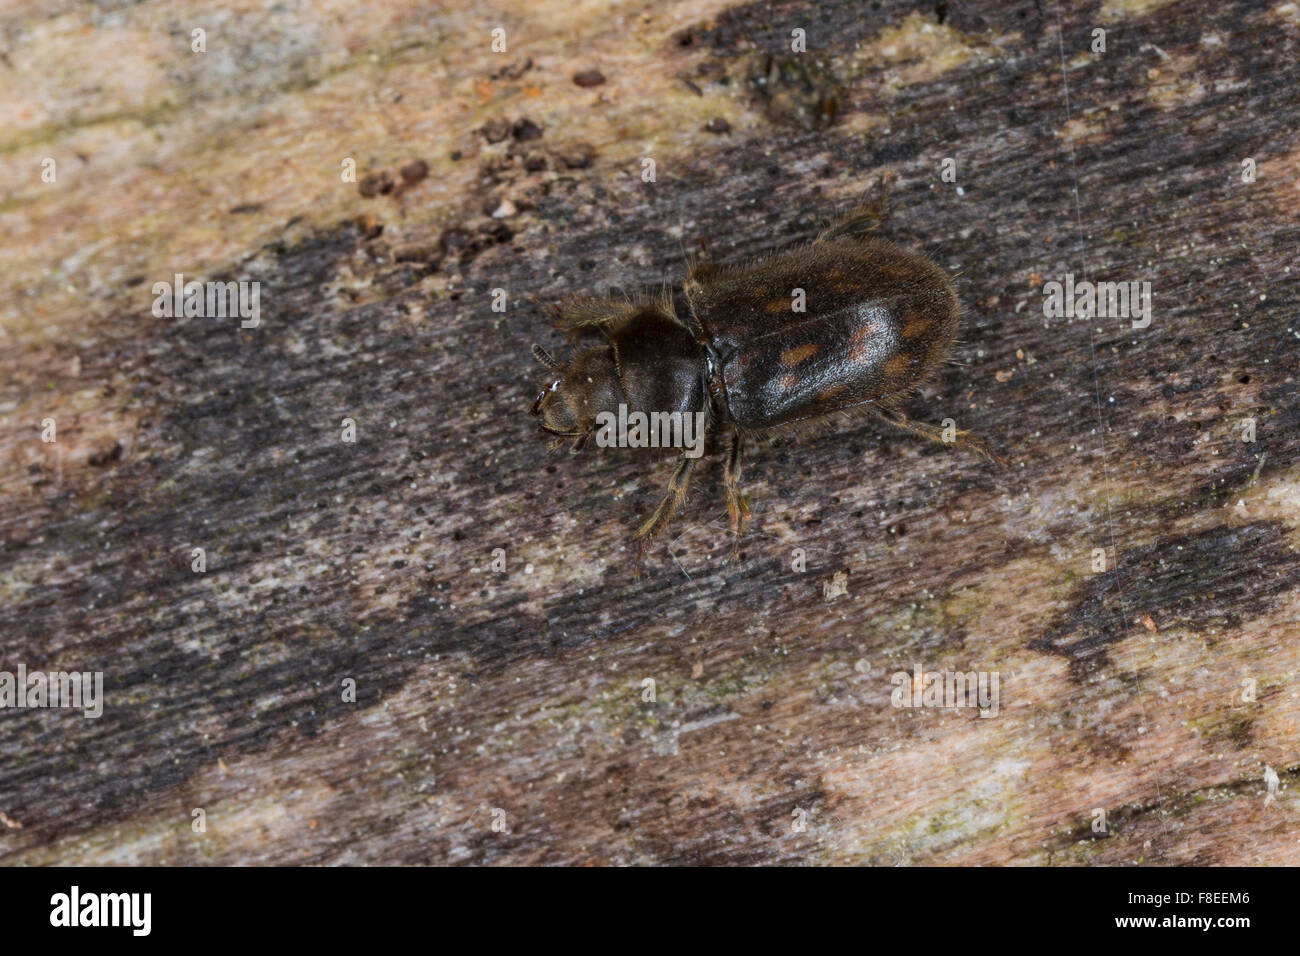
[522,691]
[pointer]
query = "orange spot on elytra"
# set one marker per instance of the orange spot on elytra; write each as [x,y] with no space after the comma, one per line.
[826,394]
[916,324]
[797,354]
[897,366]
[860,340]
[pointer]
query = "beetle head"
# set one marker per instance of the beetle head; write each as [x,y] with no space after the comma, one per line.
[580,389]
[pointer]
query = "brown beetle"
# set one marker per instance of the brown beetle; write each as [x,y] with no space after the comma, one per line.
[844,323]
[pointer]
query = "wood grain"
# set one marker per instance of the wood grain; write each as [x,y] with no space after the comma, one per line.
[772,739]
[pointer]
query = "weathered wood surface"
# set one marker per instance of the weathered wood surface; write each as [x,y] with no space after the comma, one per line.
[522,691]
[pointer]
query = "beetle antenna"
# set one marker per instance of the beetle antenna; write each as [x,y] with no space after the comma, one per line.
[545,358]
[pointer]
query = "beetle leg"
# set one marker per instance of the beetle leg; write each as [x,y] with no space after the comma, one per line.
[699,276]
[737,506]
[898,419]
[664,513]
[590,316]
[864,218]
[856,225]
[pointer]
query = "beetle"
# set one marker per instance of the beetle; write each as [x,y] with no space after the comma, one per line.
[845,323]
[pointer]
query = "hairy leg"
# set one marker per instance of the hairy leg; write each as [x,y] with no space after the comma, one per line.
[737,506]
[895,417]
[584,316]
[699,276]
[664,513]
[864,218]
